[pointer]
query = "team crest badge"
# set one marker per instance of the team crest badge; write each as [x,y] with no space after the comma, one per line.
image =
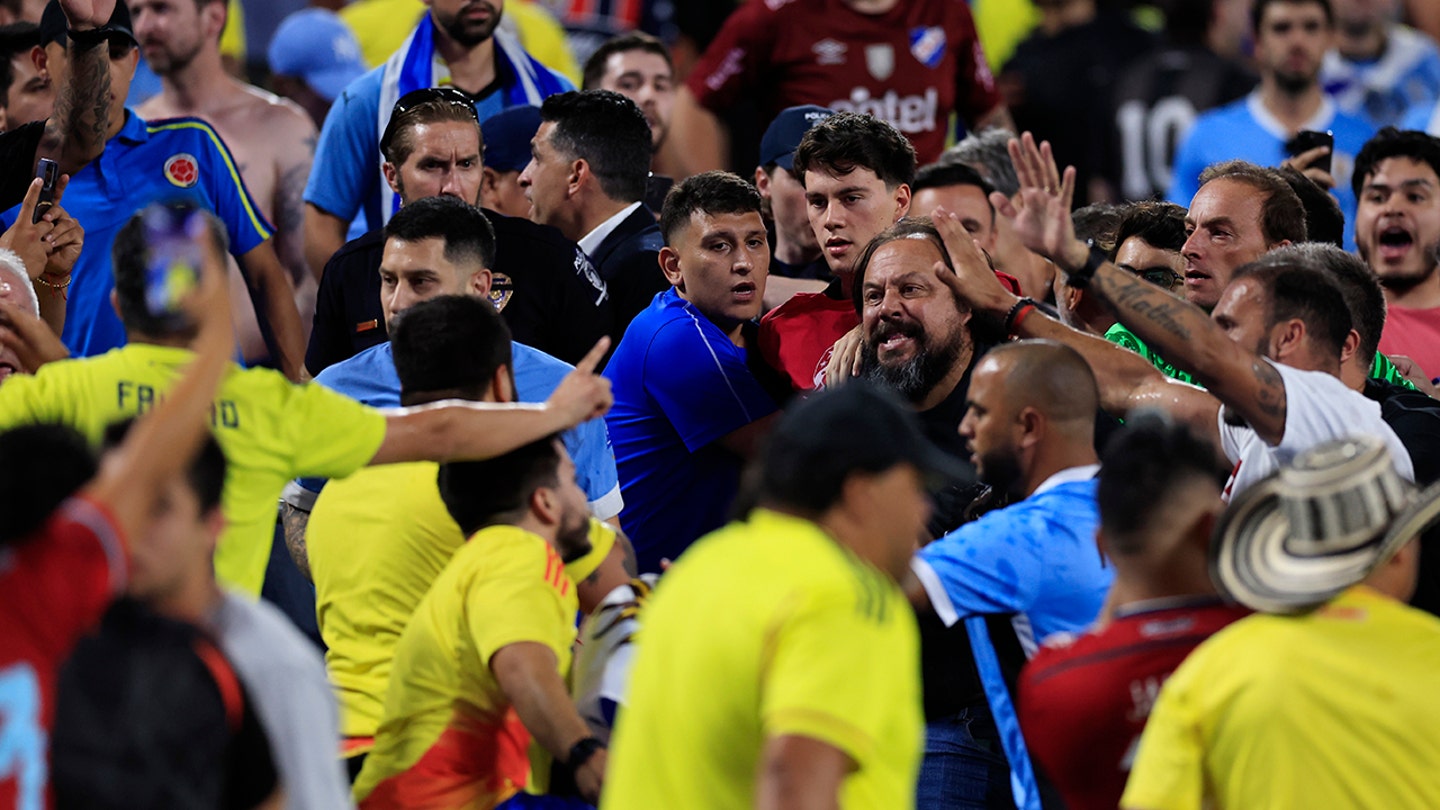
[927,45]
[182,170]
[880,61]
[829,52]
[501,290]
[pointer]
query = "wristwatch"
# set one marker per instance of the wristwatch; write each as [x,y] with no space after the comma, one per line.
[1080,278]
[581,752]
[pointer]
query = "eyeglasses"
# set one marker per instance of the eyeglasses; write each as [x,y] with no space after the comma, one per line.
[416,98]
[1162,277]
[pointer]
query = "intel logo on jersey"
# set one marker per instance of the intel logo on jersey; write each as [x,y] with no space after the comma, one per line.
[907,113]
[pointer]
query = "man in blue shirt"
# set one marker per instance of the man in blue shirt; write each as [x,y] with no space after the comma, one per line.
[1291,39]
[181,158]
[455,44]
[443,246]
[1379,68]
[688,411]
[1029,424]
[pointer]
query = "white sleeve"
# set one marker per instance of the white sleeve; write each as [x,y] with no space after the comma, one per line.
[1320,408]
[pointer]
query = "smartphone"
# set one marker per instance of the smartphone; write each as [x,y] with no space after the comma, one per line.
[173,260]
[1307,139]
[49,172]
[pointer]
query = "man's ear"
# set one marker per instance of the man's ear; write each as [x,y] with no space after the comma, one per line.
[762,182]
[902,200]
[115,304]
[1351,346]
[479,285]
[212,19]
[546,505]
[502,385]
[670,265]
[1287,337]
[580,174]
[41,61]
[1032,424]
[392,175]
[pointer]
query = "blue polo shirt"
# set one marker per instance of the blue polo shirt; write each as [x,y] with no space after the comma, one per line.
[1036,558]
[146,162]
[1244,130]
[370,377]
[679,385]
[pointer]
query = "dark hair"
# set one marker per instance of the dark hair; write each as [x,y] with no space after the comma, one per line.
[709,192]
[16,40]
[1257,11]
[483,493]
[1282,215]
[449,343]
[1142,467]
[607,131]
[1160,225]
[624,43]
[1188,22]
[846,141]
[988,153]
[129,256]
[1356,282]
[205,474]
[944,175]
[1295,291]
[1391,142]
[1324,221]
[465,230]
[1098,221]
[40,466]
[449,108]
[904,228]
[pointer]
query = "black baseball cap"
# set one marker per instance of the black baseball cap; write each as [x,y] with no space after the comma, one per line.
[859,427]
[507,137]
[53,24]
[782,137]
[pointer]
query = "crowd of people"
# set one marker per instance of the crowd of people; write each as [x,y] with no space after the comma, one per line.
[811,417]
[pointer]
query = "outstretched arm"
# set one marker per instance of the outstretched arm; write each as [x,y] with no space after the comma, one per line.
[1126,380]
[1177,329]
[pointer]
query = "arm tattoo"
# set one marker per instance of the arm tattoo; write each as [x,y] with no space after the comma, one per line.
[290,221]
[294,522]
[82,107]
[1270,394]
[1138,302]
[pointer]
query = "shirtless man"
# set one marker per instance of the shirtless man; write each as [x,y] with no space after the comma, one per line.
[271,139]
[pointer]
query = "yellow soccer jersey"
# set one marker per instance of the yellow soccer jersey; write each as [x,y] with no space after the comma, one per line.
[381,26]
[376,541]
[766,628]
[270,429]
[1330,709]
[449,737]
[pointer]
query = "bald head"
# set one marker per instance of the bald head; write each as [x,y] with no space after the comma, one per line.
[1050,377]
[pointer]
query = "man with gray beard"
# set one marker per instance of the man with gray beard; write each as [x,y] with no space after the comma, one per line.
[917,340]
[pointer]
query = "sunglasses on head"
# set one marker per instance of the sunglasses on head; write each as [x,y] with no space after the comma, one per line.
[415,98]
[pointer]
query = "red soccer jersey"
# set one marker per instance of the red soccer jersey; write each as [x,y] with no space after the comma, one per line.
[912,65]
[53,587]
[797,336]
[1082,706]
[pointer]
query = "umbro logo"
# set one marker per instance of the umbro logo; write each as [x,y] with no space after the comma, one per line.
[829,52]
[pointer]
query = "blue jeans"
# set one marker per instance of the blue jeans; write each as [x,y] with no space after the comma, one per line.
[964,765]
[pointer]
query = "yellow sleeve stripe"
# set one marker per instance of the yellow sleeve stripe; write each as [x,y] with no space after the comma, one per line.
[256,221]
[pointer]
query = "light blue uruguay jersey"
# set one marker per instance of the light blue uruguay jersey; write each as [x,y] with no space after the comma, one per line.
[1244,130]
[1382,90]
[370,377]
[1036,559]
[1424,117]
[175,158]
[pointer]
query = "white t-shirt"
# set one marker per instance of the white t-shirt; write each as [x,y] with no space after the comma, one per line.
[1318,408]
[603,659]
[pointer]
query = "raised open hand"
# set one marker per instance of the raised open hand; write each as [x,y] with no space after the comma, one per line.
[976,282]
[1042,218]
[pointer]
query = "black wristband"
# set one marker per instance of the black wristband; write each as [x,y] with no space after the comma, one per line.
[88,38]
[581,752]
[1015,311]
[1080,279]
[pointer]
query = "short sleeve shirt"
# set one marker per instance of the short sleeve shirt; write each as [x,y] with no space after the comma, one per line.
[270,429]
[797,337]
[680,384]
[1318,408]
[912,65]
[177,158]
[448,728]
[801,637]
